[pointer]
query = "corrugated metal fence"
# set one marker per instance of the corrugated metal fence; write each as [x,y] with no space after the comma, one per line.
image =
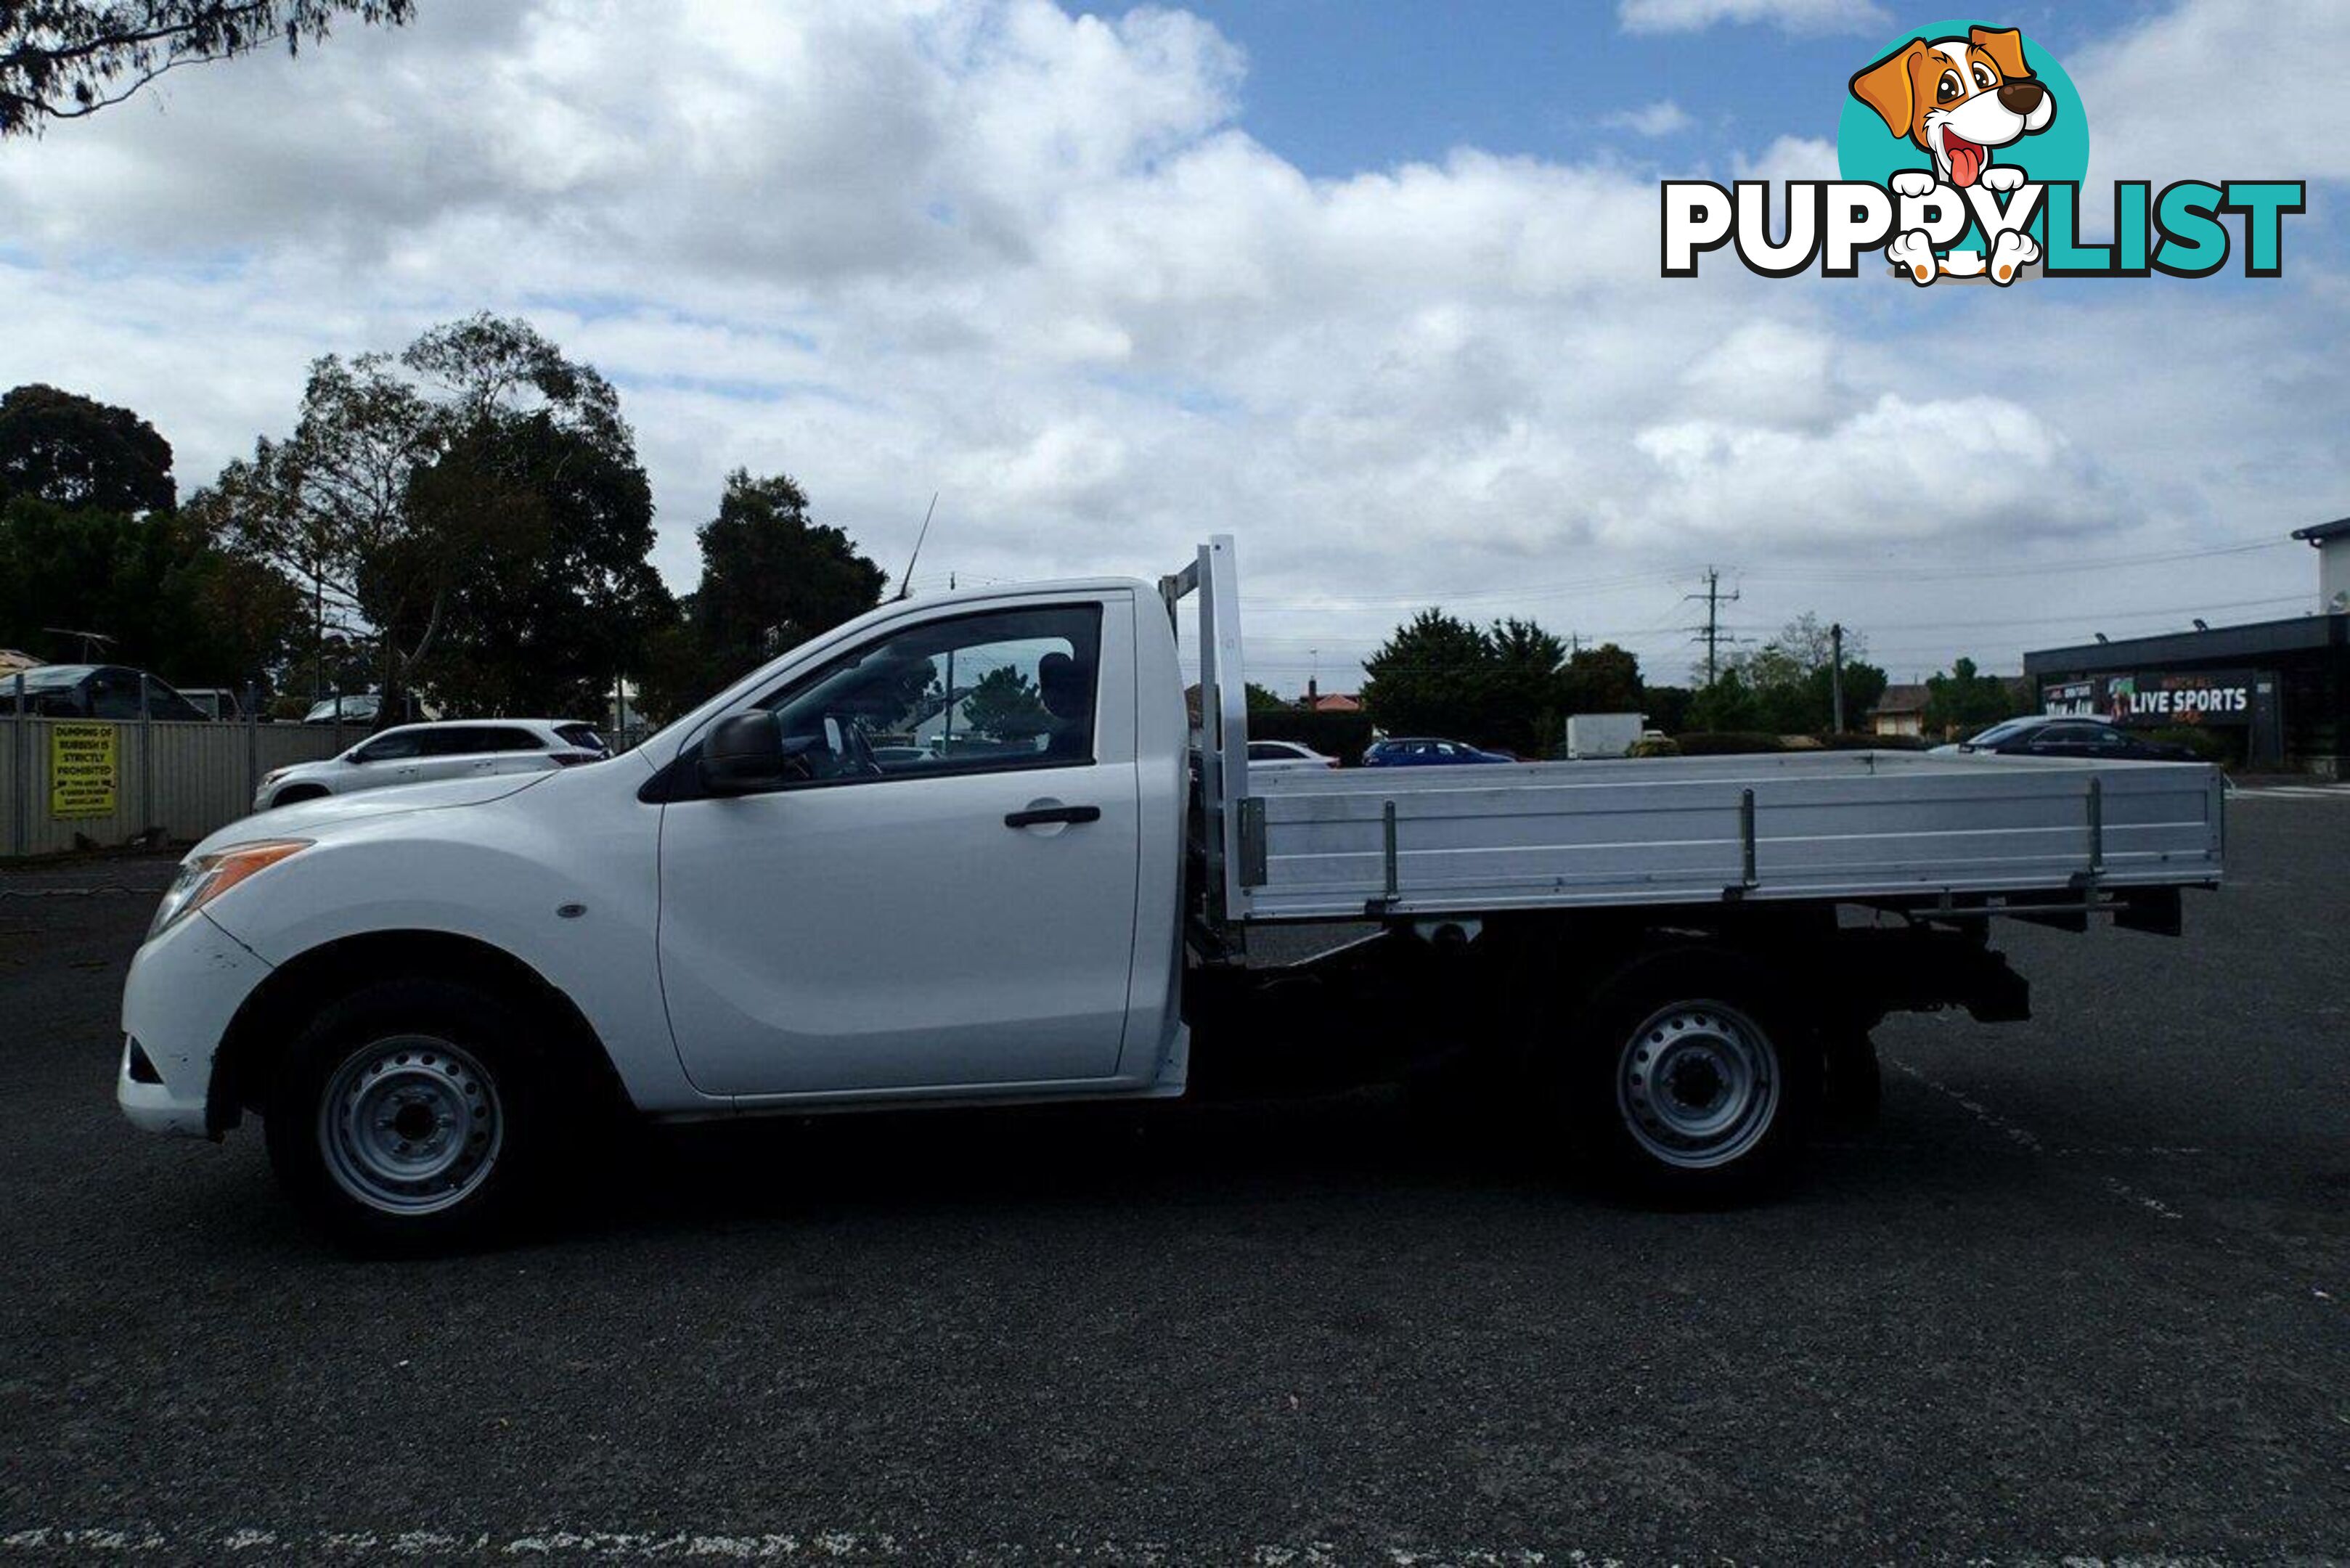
[185,779]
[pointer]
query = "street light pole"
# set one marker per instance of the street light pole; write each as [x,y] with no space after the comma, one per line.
[1836,672]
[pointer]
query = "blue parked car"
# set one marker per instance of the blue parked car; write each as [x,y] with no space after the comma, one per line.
[1417,752]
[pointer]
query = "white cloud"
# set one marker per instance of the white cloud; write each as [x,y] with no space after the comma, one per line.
[1794,15]
[2148,93]
[1964,469]
[1662,118]
[1036,262]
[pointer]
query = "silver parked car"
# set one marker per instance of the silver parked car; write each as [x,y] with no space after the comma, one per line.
[417,754]
[360,708]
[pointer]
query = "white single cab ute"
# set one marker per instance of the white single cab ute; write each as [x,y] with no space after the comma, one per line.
[969,850]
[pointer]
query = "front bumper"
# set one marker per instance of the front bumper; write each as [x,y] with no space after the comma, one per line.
[185,989]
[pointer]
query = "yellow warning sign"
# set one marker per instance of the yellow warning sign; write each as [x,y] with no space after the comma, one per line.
[82,771]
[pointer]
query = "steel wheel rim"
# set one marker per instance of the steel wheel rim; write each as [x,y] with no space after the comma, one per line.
[411,1124]
[1698,1085]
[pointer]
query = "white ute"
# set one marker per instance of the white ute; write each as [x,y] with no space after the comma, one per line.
[968,849]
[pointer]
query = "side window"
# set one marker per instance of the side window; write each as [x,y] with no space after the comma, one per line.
[1006,689]
[394,747]
[114,695]
[1266,751]
[509,739]
[458,740]
[163,702]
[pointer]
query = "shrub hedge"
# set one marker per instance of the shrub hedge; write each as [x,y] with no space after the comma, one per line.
[1340,735]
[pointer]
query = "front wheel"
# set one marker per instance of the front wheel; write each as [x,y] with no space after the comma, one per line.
[1692,1078]
[406,1115]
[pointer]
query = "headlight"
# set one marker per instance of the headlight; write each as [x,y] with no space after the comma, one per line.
[273,776]
[207,877]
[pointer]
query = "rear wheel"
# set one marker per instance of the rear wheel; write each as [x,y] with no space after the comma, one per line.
[409,1116]
[1856,1082]
[1691,1076]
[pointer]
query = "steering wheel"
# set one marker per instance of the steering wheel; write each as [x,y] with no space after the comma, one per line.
[856,758]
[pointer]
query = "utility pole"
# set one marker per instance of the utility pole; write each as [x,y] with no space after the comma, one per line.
[1711,632]
[318,632]
[1836,672]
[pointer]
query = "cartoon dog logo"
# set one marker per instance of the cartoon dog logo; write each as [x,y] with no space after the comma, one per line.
[1959,100]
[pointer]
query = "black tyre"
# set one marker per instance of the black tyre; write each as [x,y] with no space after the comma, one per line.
[410,1116]
[1692,1078]
[294,793]
[1856,1082]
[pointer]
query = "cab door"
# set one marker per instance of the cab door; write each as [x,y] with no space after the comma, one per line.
[958,916]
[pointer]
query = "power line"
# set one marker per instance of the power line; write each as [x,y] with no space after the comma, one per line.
[2078,616]
[1440,598]
[1957,574]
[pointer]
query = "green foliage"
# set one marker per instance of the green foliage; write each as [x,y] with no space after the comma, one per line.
[1729,705]
[1511,686]
[482,491]
[1965,700]
[1430,678]
[771,580]
[327,507]
[1264,699]
[173,605]
[1602,679]
[1787,686]
[1003,705]
[66,449]
[1727,743]
[62,59]
[571,603]
[1344,736]
[1868,741]
[1667,708]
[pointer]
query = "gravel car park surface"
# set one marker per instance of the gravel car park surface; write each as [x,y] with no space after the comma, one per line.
[2084,1290]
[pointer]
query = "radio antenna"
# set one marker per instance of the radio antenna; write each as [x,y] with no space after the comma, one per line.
[906,584]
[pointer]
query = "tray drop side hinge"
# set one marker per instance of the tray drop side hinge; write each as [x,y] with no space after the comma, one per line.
[1253,841]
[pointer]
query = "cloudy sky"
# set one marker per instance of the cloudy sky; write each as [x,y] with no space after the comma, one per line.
[1372,285]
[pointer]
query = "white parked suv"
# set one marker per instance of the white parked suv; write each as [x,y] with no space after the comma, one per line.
[420,754]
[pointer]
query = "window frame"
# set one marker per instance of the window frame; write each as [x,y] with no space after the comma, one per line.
[415,748]
[681,779]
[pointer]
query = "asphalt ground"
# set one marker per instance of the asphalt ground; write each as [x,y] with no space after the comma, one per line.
[2084,1292]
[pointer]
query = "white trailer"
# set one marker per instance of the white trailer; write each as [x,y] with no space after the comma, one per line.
[1602,734]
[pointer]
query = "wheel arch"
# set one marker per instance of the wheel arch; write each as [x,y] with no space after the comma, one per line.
[271,1016]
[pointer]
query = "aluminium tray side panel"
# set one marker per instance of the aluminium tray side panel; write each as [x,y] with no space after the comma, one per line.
[1833,824]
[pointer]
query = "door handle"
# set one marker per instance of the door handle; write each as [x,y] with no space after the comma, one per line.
[1036,815]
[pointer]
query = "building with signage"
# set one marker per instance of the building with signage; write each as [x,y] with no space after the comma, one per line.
[2276,692]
